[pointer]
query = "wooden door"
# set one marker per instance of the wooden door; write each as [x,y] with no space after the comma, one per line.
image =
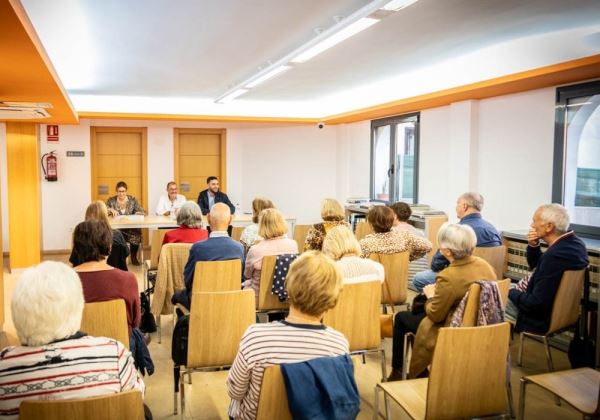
[199,153]
[119,154]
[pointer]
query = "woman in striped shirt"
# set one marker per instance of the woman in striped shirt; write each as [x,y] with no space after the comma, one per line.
[313,286]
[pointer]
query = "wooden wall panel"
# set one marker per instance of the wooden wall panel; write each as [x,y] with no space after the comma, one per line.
[1,271]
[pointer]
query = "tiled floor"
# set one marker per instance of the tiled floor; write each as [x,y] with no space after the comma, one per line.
[207,397]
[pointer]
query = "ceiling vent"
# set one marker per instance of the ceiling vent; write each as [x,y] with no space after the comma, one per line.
[23,110]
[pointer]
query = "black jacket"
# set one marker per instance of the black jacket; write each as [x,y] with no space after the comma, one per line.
[219,198]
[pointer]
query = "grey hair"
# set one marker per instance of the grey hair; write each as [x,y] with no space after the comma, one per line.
[557,215]
[190,215]
[460,240]
[47,303]
[473,199]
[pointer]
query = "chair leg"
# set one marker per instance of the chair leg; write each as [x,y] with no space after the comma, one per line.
[408,342]
[376,404]
[176,374]
[182,391]
[159,329]
[550,364]
[190,378]
[521,414]
[521,338]
[383,366]
[364,357]
[511,411]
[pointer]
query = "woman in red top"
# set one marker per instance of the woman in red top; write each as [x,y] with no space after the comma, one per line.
[189,219]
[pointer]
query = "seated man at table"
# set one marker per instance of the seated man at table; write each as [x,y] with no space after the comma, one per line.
[218,247]
[170,202]
[211,196]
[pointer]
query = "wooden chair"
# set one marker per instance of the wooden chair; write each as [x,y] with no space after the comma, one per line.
[267,301]
[467,379]
[495,256]
[122,405]
[106,319]
[580,388]
[396,277]
[300,232]
[273,402]
[217,322]
[155,246]
[236,232]
[356,315]
[362,230]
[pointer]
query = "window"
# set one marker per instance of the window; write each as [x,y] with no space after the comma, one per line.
[395,158]
[576,179]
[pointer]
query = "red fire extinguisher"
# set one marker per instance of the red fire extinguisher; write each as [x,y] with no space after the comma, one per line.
[49,166]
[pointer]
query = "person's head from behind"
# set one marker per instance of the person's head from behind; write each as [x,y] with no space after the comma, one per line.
[190,215]
[92,240]
[550,219]
[259,204]
[402,211]
[47,304]
[271,224]
[121,189]
[313,283]
[341,242]
[219,217]
[212,183]
[332,210]
[98,211]
[381,218]
[172,190]
[456,241]
[468,203]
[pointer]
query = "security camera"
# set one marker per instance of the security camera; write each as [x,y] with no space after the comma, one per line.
[321,125]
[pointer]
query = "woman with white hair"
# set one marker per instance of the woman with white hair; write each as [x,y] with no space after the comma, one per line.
[456,243]
[46,307]
[189,219]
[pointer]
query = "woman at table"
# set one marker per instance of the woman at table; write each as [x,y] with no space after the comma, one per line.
[123,204]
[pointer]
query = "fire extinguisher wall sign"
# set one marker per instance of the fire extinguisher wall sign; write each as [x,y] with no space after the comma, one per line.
[50,166]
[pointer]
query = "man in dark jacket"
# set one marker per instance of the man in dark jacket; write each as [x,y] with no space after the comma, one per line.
[210,196]
[532,300]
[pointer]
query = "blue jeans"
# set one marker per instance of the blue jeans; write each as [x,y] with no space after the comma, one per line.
[422,279]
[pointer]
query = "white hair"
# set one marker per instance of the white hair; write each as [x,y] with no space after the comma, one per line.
[460,240]
[190,215]
[473,200]
[47,303]
[557,215]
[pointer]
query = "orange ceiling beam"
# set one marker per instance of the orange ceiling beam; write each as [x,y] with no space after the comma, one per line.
[202,118]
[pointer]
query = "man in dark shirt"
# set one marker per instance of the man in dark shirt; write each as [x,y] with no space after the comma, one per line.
[468,210]
[531,301]
[211,195]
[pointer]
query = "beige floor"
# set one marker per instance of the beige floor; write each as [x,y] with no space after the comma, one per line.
[207,397]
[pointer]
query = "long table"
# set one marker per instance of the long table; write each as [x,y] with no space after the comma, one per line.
[157,222]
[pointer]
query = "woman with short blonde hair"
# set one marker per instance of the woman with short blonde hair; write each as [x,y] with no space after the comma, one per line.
[250,233]
[272,224]
[333,215]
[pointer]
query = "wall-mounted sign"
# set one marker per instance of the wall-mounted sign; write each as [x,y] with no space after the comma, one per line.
[52,132]
[102,189]
[75,153]
[184,187]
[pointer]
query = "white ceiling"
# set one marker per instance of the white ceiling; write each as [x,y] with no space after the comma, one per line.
[159,56]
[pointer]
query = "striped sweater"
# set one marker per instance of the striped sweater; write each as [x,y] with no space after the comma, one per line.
[74,368]
[264,345]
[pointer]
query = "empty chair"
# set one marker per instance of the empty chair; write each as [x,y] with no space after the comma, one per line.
[495,256]
[236,233]
[300,232]
[362,230]
[106,319]
[395,285]
[155,246]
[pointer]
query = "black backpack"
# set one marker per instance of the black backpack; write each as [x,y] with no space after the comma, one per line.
[147,323]
[179,344]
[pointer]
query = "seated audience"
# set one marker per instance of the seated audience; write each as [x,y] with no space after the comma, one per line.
[456,243]
[333,215]
[218,247]
[273,228]
[468,210]
[386,241]
[313,284]
[100,281]
[250,233]
[47,305]
[530,303]
[341,245]
[123,204]
[170,203]
[118,251]
[402,212]
[189,219]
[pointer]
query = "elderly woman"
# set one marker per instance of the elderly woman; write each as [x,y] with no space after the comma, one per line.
[456,243]
[313,284]
[118,251]
[333,215]
[341,245]
[250,233]
[402,212]
[189,219]
[386,241]
[46,307]
[273,228]
[124,204]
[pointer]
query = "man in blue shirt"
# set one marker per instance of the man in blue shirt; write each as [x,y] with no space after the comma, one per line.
[468,210]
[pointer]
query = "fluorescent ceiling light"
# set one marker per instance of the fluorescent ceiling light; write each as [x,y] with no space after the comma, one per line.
[268,75]
[336,38]
[231,96]
[396,5]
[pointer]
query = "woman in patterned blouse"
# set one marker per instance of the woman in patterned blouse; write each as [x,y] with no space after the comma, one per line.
[333,215]
[387,241]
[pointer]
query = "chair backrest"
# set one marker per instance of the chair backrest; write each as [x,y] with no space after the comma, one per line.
[173,258]
[300,232]
[356,315]
[236,232]
[362,230]
[217,322]
[472,307]
[266,300]
[503,289]
[123,405]
[396,276]
[565,309]
[106,319]
[468,372]
[157,238]
[273,402]
[495,256]
[217,276]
